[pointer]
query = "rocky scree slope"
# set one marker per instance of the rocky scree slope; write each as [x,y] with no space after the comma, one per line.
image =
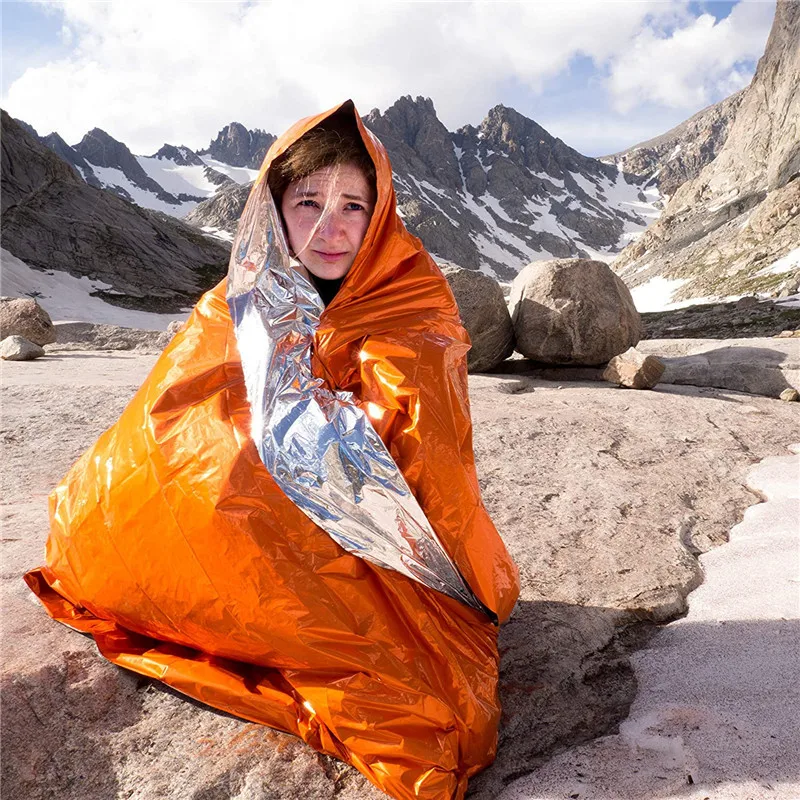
[735,228]
[53,220]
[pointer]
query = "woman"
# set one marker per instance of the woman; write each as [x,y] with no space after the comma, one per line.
[285,523]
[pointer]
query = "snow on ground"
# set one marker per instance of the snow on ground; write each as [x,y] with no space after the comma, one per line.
[716,711]
[656,294]
[239,174]
[792,301]
[110,176]
[217,233]
[178,178]
[789,262]
[68,299]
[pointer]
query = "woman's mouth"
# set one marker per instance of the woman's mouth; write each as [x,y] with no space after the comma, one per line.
[329,257]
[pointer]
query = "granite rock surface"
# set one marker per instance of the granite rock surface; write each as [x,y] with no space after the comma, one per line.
[604,498]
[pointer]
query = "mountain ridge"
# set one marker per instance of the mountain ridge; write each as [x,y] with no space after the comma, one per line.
[52,220]
[735,228]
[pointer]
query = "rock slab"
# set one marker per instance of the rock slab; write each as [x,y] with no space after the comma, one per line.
[634,370]
[23,316]
[572,311]
[485,316]
[635,484]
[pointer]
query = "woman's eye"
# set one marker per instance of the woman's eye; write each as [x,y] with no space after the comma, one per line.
[308,204]
[354,207]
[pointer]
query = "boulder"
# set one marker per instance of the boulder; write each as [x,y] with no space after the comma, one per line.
[634,370]
[572,311]
[485,316]
[23,316]
[18,348]
[789,395]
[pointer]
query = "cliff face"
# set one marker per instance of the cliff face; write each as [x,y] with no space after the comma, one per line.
[735,228]
[240,147]
[680,154]
[53,220]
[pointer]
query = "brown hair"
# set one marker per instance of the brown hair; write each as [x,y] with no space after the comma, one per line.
[319,148]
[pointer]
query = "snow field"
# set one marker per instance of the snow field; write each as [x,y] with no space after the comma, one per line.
[68,299]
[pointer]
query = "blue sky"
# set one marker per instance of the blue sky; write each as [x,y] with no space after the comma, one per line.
[600,74]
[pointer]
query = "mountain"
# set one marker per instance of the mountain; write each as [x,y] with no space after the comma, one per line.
[674,157]
[735,227]
[54,221]
[78,162]
[173,180]
[491,198]
[240,147]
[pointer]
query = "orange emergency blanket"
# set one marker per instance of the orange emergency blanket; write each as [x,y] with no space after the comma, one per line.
[172,545]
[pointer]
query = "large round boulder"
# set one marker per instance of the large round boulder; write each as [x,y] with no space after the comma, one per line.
[572,311]
[485,315]
[23,316]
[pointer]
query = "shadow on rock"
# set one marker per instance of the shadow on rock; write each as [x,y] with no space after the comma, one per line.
[565,678]
[56,726]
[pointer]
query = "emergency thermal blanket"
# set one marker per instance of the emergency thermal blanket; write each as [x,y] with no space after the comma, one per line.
[285,523]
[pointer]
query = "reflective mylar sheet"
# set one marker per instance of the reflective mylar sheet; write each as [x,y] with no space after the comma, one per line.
[319,445]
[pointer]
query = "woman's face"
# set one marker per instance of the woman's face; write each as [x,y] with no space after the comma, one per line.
[326,216]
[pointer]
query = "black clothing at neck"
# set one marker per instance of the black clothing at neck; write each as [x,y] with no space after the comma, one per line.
[327,288]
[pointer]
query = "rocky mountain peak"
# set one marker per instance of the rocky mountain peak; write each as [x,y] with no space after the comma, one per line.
[419,142]
[103,150]
[411,118]
[240,147]
[506,126]
[179,155]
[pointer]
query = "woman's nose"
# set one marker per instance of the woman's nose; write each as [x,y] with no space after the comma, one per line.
[330,225]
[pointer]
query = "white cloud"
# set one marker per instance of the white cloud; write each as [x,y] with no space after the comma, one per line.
[149,72]
[695,64]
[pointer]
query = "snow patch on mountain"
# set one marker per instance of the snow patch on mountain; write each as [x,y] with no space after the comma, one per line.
[239,175]
[656,294]
[69,299]
[790,262]
[112,178]
[178,179]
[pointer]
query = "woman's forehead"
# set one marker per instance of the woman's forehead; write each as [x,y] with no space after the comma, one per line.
[339,178]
